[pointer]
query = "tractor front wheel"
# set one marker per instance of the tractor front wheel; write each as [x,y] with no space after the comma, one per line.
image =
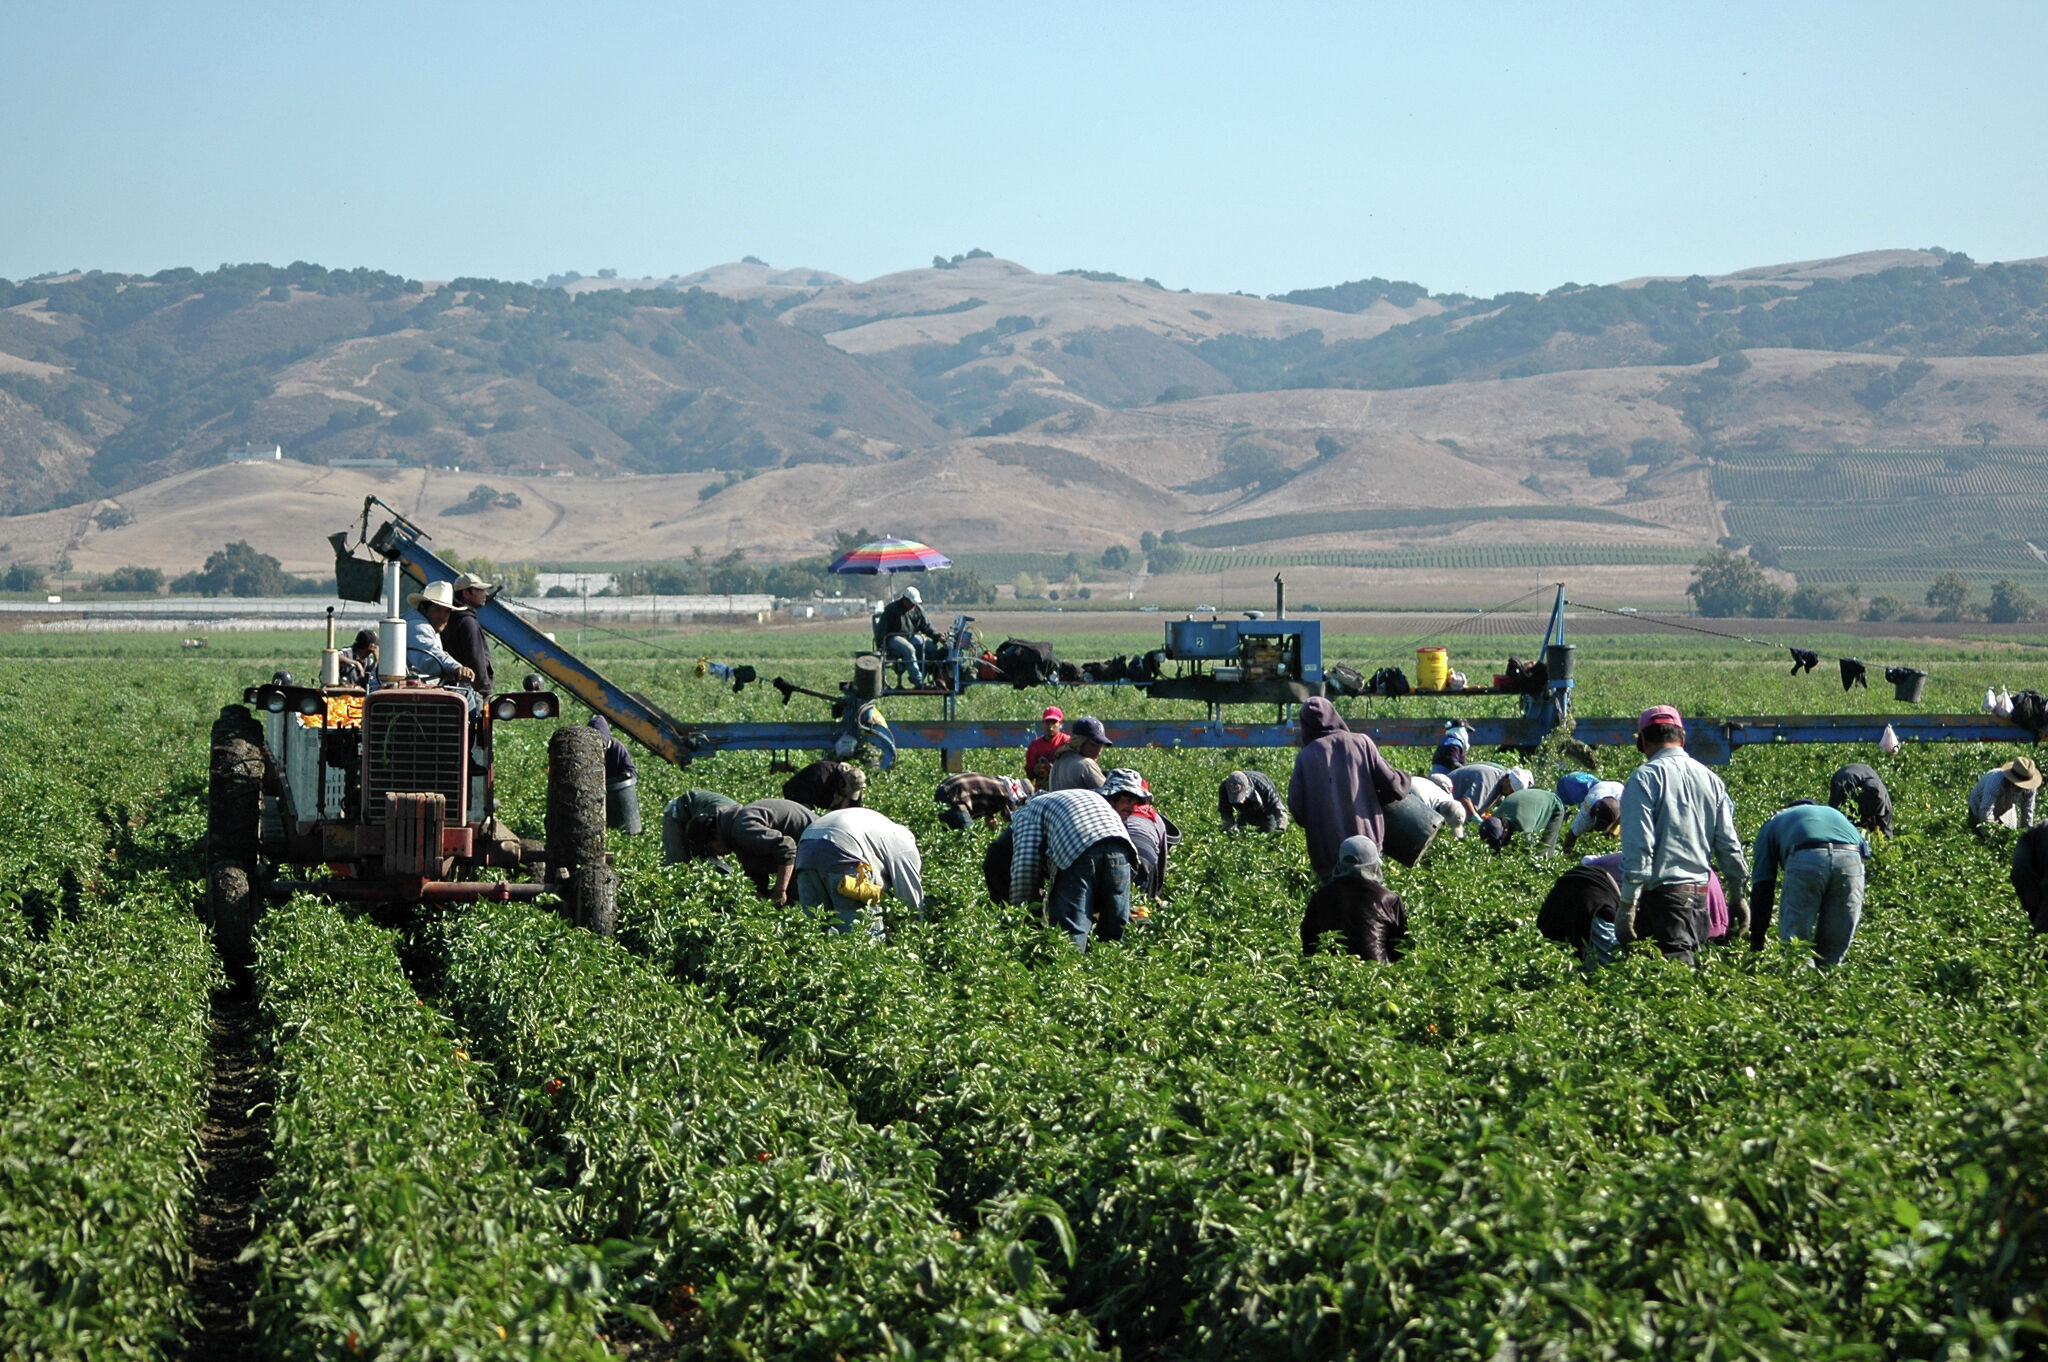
[234,794]
[231,904]
[575,855]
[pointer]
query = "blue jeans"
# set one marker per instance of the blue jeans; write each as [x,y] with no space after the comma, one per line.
[820,889]
[907,653]
[1094,891]
[1602,943]
[1822,900]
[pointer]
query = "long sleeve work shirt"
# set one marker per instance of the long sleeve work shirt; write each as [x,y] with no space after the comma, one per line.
[1260,809]
[1476,783]
[1997,800]
[762,836]
[424,655]
[1676,823]
[466,642]
[1052,831]
[863,836]
[1800,826]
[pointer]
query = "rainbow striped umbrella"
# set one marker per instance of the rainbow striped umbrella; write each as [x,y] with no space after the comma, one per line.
[891,555]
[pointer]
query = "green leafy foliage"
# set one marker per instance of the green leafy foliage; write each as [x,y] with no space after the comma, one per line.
[1197,1143]
[398,1223]
[778,1222]
[104,980]
[103,1059]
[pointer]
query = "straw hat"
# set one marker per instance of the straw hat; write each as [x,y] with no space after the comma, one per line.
[437,593]
[2022,772]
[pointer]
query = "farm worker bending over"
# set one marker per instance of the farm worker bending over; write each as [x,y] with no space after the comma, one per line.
[1075,840]
[1858,785]
[1249,800]
[1536,812]
[1480,784]
[903,623]
[1600,811]
[1152,833]
[970,797]
[827,785]
[1434,790]
[676,818]
[1353,902]
[1038,757]
[1451,751]
[761,836]
[463,636]
[1822,856]
[1340,787]
[849,858]
[1675,819]
[2005,795]
[428,614]
[2030,874]
[1074,767]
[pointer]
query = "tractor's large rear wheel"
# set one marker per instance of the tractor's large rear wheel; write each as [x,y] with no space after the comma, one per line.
[575,857]
[593,898]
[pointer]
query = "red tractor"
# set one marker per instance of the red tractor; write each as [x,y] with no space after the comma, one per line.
[391,790]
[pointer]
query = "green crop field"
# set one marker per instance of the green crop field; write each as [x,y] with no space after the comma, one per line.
[1894,519]
[727,1134]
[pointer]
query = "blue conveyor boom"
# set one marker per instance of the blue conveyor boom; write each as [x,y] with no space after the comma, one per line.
[1712,740]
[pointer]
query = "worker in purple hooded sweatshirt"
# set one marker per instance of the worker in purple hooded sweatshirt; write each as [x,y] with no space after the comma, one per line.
[1341,785]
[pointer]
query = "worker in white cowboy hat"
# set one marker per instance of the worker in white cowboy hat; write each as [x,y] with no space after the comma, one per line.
[463,636]
[427,614]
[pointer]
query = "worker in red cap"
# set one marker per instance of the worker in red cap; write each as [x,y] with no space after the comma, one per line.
[1676,823]
[1038,757]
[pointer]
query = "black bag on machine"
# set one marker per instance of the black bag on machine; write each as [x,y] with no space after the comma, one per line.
[1389,681]
[1024,663]
[1339,679]
[2030,711]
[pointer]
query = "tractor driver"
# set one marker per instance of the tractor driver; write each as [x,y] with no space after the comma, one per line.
[428,614]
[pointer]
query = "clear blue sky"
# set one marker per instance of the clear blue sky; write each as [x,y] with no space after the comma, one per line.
[1259,147]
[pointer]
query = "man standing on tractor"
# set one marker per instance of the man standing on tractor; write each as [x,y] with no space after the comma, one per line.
[463,636]
[427,614]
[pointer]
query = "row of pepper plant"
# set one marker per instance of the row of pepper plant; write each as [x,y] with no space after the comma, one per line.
[105,975]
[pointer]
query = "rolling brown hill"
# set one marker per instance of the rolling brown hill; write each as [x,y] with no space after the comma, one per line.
[980,405]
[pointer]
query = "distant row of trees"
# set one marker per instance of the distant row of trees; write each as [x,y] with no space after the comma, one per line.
[1734,585]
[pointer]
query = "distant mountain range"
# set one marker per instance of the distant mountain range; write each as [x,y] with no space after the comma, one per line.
[988,406]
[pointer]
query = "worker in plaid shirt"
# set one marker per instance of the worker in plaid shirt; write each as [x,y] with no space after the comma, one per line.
[969,796]
[1076,840]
